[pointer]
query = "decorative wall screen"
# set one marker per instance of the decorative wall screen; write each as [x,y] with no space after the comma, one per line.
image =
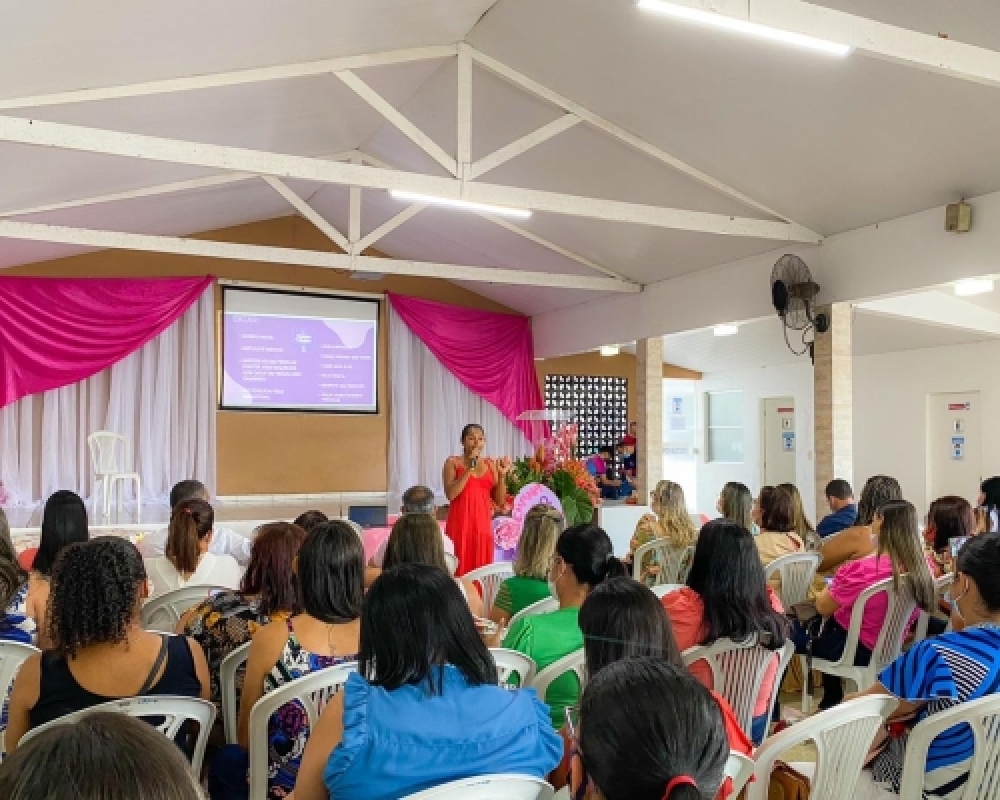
[599,405]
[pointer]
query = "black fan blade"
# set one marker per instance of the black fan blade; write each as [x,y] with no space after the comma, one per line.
[779,296]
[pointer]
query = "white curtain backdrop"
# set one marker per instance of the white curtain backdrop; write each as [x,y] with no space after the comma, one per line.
[162,398]
[429,408]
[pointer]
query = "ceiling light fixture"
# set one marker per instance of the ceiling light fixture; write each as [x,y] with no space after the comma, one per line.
[972,286]
[745,26]
[726,330]
[461,205]
[610,350]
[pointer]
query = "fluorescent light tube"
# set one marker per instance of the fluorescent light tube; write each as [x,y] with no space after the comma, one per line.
[745,26]
[610,350]
[461,205]
[726,330]
[972,286]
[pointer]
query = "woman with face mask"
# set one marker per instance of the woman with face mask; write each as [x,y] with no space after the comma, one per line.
[943,671]
[583,559]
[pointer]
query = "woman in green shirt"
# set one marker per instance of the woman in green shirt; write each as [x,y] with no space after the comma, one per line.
[584,558]
[542,526]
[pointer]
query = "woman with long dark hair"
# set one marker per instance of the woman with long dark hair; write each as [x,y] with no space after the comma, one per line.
[473,485]
[727,597]
[648,731]
[424,707]
[949,517]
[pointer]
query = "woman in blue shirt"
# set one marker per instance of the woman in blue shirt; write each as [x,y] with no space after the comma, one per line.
[941,672]
[424,707]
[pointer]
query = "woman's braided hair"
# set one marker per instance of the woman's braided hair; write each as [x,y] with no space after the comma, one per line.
[94,595]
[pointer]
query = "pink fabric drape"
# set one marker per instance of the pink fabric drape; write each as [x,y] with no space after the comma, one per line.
[57,331]
[492,354]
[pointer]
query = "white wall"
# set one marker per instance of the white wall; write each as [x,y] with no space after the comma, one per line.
[793,380]
[890,402]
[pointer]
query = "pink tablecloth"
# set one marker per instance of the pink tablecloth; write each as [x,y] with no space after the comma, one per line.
[373,537]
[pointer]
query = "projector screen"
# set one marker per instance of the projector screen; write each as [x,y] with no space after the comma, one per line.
[286,351]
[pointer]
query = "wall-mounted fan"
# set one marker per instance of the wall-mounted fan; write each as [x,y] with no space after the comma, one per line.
[793,292]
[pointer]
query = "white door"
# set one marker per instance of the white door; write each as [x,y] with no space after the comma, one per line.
[679,424]
[954,446]
[778,440]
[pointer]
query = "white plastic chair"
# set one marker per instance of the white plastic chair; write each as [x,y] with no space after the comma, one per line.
[983,716]
[674,564]
[313,691]
[489,578]
[175,711]
[111,457]
[512,662]
[544,606]
[574,662]
[797,571]
[739,769]
[12,656]
[843,737]
[227,689]
[738,670]
[666,588]
[488,787]
[941,585]
[887,648]
[452,562]
[165,611]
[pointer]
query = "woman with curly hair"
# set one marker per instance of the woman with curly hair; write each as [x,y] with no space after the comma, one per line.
[859,541]
[100,651]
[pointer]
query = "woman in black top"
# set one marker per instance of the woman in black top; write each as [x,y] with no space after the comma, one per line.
[100,651]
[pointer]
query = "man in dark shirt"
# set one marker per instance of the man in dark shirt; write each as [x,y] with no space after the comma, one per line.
[840,498]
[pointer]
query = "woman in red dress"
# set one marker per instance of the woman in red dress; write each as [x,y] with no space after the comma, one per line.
[473,485]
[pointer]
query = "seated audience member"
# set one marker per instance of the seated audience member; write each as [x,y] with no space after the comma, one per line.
[648,731]
[188,561]
[100,651]
[800,520]
[104,755]
[15,624]
[416,500]
[899,552]
[64,522]
[416,539]
[622,619]
[542,526]
[613,483]
[939,673]
[727,597]
[948,518]
[670,521]
[777,537]
[736,504]
[596,465]
[424,707]
[989,502]
[308,520]
[858,541]
[843,510]
[584,558]
[224,541]
[267,592]
[330,572]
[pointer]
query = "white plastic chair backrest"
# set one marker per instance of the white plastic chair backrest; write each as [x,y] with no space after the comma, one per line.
[313,691]
[684,564]
[739,768]
[738,670]
[797,571]
[890,639]
[488,787]
[843,736]
[227,689]
[452,562]
[674,564]
[175,712]
[941,585]
[109,453]
[574,662]
[543,606]
[510,663]
[983,717]
[666,588]
[489,579]
[166,610]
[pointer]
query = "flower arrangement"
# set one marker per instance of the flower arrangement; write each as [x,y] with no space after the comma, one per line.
[554,465]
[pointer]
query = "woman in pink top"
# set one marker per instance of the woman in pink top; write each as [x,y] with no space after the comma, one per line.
[727,597]
[899,551]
